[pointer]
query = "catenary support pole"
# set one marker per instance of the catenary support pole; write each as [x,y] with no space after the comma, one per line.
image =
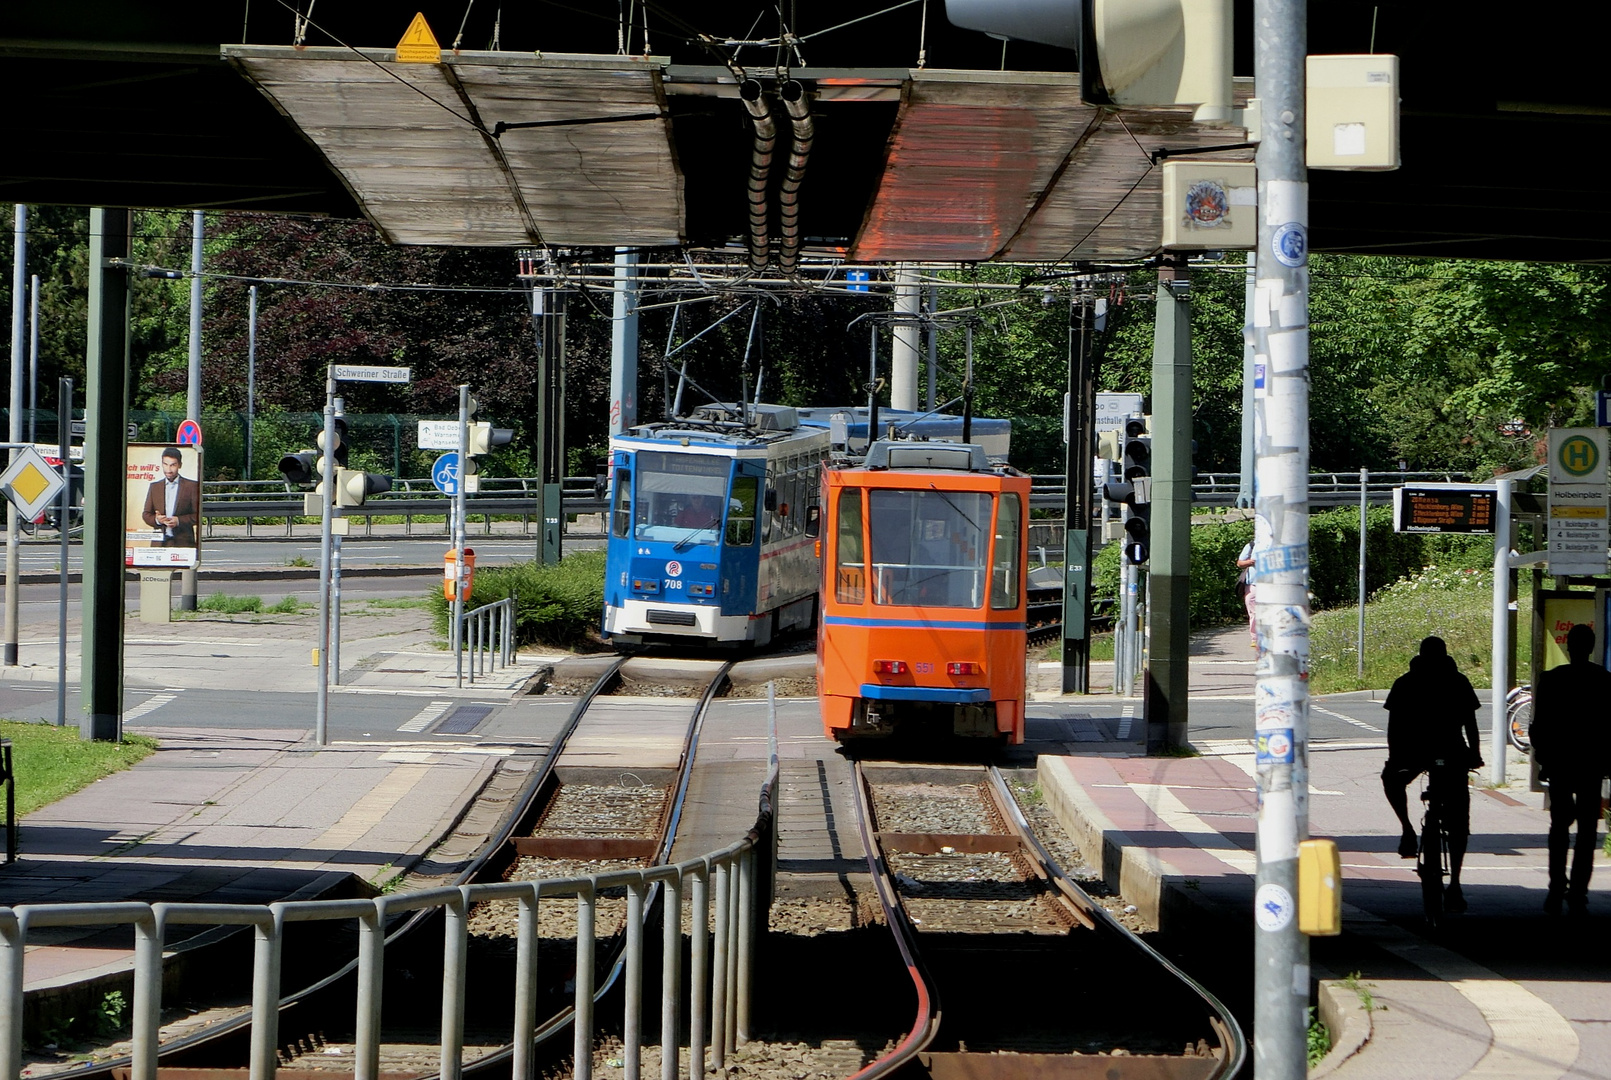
[187,578]
[1499,747]
[1281,541]
[251,377]
[624,343]
[336,514]
[904,338]
[1364,486]
[1079,494]
[456,632]
[64,428]
[19,325]
[1244,480]
[932,379]
[1168,674]
[327,487]
[106,386]
[33,359]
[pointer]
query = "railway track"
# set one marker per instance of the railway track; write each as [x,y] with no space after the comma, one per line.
[1029,975]
[566,826]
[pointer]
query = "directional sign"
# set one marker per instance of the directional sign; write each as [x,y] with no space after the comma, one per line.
[439,434]
[445,474]
[188,434]
[357,373]
[30,483]
[1112,410]
[81,427]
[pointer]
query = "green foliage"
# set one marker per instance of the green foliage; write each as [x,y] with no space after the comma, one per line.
[554,605]
[286,605]
[109,1013]
[52,762]
[1319,1039]
[1454,603]
[230,605]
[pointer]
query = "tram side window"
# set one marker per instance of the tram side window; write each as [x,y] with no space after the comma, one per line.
[1004,572]
[741,511]
[622,517]
[850,570]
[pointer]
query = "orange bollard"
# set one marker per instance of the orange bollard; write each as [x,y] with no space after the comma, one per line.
[455,574]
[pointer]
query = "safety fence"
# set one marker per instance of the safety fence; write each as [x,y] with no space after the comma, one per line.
[488,634]
[734,881]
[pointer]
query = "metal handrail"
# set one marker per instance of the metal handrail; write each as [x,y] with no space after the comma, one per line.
[729,873]
[488,634]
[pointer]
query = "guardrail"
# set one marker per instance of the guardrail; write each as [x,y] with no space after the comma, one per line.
[488,633]
[721,952]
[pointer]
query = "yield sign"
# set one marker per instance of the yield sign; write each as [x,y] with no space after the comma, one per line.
[30,483]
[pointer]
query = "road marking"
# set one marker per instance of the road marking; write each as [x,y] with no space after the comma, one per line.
[1172,812]
[426,716]
[1128,716]
[1529,1039]
[148,706]
[1340,716]
[372,809]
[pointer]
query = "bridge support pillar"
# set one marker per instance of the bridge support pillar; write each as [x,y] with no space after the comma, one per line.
[106,398]
[1169,580]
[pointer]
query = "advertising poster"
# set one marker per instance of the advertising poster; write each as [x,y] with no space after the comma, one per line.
[1561,612]
[162,506]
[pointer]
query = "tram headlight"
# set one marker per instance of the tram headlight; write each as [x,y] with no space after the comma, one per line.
[645,585]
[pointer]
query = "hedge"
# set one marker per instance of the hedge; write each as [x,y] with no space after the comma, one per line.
[554,605]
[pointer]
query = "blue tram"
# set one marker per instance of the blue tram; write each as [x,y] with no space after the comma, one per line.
[707,528]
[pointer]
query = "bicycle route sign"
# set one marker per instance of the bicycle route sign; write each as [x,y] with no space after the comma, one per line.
[1579,530]
[445,474]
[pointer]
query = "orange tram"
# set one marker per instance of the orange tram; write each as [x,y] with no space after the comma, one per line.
[922,625]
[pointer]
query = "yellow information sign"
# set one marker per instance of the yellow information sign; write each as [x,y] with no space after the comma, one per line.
[419,44]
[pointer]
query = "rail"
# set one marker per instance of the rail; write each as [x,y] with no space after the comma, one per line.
[488,633]
[731,877]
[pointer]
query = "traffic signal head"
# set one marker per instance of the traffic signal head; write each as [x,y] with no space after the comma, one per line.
[340,450]
[300,468]
[1136,458]
[484,438]
[1137,536]
[1137,468]
[354,486]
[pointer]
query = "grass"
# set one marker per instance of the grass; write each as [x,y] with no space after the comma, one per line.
[1362,990]
[1319,1039]
[1101,648]
[53,762]
[400,602]
[1456,605]
[223,604]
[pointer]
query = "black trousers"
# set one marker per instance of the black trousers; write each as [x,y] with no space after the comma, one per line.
[1573,800]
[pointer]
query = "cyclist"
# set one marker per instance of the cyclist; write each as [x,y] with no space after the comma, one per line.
[1432,728]
[1573,745]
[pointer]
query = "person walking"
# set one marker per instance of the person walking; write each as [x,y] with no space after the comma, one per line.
[1244,587]
[1432,728]
[1572,741]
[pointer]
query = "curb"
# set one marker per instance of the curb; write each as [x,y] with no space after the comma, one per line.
[1348,1021]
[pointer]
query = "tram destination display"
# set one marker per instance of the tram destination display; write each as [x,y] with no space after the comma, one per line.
[1440,508]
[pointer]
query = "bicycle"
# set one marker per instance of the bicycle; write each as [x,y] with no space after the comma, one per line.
[1519,717]
[1432,852]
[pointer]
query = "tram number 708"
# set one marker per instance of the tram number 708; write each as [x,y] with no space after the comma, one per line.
[673,583]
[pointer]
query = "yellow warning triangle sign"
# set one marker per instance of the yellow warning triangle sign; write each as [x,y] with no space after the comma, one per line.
[419,44]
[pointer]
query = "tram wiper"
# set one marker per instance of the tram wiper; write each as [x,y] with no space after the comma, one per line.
[689,539]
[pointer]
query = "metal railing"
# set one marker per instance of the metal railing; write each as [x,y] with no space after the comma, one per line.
[721,951]
[488,634]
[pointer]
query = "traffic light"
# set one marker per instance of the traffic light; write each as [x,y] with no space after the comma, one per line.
[1137,471]
[1130,52]
[484,438]
[353,486]
[340,452]
[301,467]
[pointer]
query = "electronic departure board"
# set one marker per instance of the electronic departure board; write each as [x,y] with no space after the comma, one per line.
[1443,509]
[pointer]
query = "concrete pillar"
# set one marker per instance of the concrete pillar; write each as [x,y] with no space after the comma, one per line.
[1169,580]
[904,352]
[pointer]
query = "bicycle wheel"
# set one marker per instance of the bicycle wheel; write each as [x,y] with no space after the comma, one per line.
[1429,865]
[1519,721]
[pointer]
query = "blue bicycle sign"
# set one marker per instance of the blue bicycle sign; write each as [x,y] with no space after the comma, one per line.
[445,474]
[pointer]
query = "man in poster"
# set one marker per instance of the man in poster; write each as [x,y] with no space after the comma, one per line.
[173,504]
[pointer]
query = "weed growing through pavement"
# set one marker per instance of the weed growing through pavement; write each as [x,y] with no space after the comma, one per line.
[287,605]
[1362,989]
[230,605]
[109,1014]
[297,560]
[1319,1039]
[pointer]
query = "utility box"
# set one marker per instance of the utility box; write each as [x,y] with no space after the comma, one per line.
[1210,205]
[1352,112]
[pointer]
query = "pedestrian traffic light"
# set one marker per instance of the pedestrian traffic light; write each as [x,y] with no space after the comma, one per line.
[1130,52]
[484,438]
[301,467]
[341,451]
[353,486]
[1137,473]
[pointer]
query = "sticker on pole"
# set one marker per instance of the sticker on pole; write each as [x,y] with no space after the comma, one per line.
[1290,245]
[30,483]
[1272,907]
[445,474]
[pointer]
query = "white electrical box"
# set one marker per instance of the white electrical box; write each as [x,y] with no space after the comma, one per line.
[1352,112]
[1210,205]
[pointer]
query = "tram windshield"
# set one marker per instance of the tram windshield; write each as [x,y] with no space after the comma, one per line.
[929,547]
[680,497]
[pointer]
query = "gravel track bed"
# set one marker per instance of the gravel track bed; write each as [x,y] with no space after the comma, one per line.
[604,811]
[786,688]
[1066,853]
